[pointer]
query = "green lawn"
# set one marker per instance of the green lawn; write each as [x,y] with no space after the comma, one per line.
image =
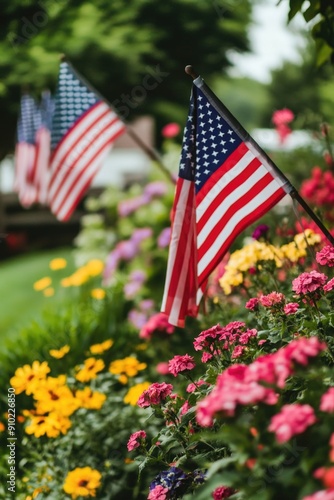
[19,302]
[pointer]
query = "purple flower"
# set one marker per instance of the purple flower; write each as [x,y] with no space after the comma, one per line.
[140,235]
[127,249]
[127,207]
[164,237]
[137,319]
[157,188]
[260,231]
[136,279]
[111,266]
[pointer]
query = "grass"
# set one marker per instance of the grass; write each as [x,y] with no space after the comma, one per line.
[19,302]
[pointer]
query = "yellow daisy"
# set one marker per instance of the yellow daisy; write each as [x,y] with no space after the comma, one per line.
[49,425]
[91,367]
[98,293]
[100,348]
[128,366]
[58,263]
[82,482]
[55,396]
[89,399]
[42,283]
[26,377]
[49,292]
[94,267]
[59,353]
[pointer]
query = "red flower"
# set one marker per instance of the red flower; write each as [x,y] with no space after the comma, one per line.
[170,130]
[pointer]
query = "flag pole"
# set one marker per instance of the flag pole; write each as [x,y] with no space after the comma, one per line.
[150,152]
[247,138]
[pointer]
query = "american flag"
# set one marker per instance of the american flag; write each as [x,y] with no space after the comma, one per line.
[225,183]
[25,152]
[41,172]
[83,129]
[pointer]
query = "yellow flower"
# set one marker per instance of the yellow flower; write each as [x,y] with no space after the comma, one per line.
[2,427]
[91,367]
[82,482]
[123,379]
[48,292]
[98,293]
[26,377]
[52,395]
[42,283]
[94,267]
[99,348]
[58,263]
[132,396]
[142,347]
[66,282]
[37,491]
[60,353]
[50,425]
[129,366]
[89,399]
[79,277]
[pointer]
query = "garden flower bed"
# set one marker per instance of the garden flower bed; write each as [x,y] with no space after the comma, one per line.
[111,401]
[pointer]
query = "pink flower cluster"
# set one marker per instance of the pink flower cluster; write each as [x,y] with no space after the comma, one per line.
[327,401]
[291,308]
[218,337]
[280,119]
[157,323]
[325,257]
[272,299]
[319,190]
[329,285]
[252,304]
[308,282]
[134,440]
[155,394]
[321,495]
[222,492]
[243,384]
[180,364]
[158,493]
[291,420]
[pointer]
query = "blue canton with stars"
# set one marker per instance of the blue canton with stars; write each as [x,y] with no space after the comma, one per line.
[29,121]
[73,98]
[207,142]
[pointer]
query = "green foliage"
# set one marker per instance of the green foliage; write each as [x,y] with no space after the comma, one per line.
[117,47]
[20,302]
[322,13]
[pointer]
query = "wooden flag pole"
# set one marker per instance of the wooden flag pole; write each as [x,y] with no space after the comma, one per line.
[246,137]
[151,152]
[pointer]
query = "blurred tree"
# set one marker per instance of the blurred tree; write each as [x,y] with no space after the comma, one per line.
[304,88]
[320,13]
[133,52]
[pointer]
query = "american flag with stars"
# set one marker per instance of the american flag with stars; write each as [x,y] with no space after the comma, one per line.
[83,130]
[224,185]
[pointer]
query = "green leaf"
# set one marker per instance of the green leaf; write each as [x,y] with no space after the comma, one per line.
[295,7]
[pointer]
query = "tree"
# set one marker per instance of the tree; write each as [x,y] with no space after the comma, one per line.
[320,13]
[134,53]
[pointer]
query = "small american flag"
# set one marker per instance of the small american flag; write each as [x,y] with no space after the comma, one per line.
[83,130]
[25,151]
[41,170]
[225,183]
